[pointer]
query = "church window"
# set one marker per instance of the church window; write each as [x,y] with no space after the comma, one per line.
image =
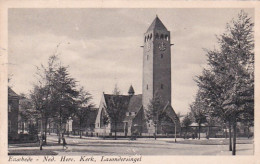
[156,36]
[162,37]
[161,55]
[166,37]
[161,86]
[147,86]
[9,108]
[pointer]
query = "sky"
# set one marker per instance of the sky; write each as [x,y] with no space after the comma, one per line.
[102,46]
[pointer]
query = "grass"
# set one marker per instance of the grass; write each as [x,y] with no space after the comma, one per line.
[31,152]
[213,141]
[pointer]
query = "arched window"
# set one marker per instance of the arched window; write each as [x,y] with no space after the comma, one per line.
[162,37]
[166,37]
[161,86]
[156,36]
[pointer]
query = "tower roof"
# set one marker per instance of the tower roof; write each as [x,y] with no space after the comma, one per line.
[131,90]
[157,24]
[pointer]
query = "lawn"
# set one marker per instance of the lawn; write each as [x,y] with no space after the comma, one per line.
[213,141]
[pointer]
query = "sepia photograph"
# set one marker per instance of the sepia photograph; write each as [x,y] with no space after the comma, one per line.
[122,83]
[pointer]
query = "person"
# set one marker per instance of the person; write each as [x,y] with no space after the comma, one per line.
[64,143]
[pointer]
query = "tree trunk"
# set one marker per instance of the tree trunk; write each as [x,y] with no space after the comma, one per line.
[80,129]
[208,132]
[41,142]
[22,127]
[230,138]
[60,130]
[155,131]
[45,131]
[248,135]
[234,138]
[199,131]
[185,136]
[115,129]
[49,127]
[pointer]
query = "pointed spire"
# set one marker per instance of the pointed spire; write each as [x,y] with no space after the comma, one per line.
[131,91]
[157,24]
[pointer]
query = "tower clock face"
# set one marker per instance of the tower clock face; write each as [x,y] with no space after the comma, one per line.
[148,47]
[162,46]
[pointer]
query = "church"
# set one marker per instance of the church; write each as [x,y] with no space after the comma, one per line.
[156,80]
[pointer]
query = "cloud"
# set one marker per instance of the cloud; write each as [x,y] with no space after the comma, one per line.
[102,46]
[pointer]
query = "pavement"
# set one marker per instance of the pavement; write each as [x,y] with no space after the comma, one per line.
[141,146]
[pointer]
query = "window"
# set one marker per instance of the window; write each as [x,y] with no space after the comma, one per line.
[147,57]
[161,86]
[156,36]
[161,55]
[166,37]
[9,126]
[151,36]
[162,37]
[9,108]
[147,86]
[129,113]
[144,39]
[97,124]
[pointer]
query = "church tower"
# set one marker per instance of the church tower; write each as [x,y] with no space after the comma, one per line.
[156,63]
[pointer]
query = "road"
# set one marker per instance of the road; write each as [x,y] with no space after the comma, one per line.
[141,146]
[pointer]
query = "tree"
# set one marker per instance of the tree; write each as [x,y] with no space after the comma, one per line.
[198,111]
[186,122]
[229,87]
[155,112]
[116,90]
[26,111]
[38,97]
[54,95]
[42,93]
[64,97]
[84,106]
[212,87]
[115,108]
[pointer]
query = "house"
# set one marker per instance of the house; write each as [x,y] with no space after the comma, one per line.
[13,111]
